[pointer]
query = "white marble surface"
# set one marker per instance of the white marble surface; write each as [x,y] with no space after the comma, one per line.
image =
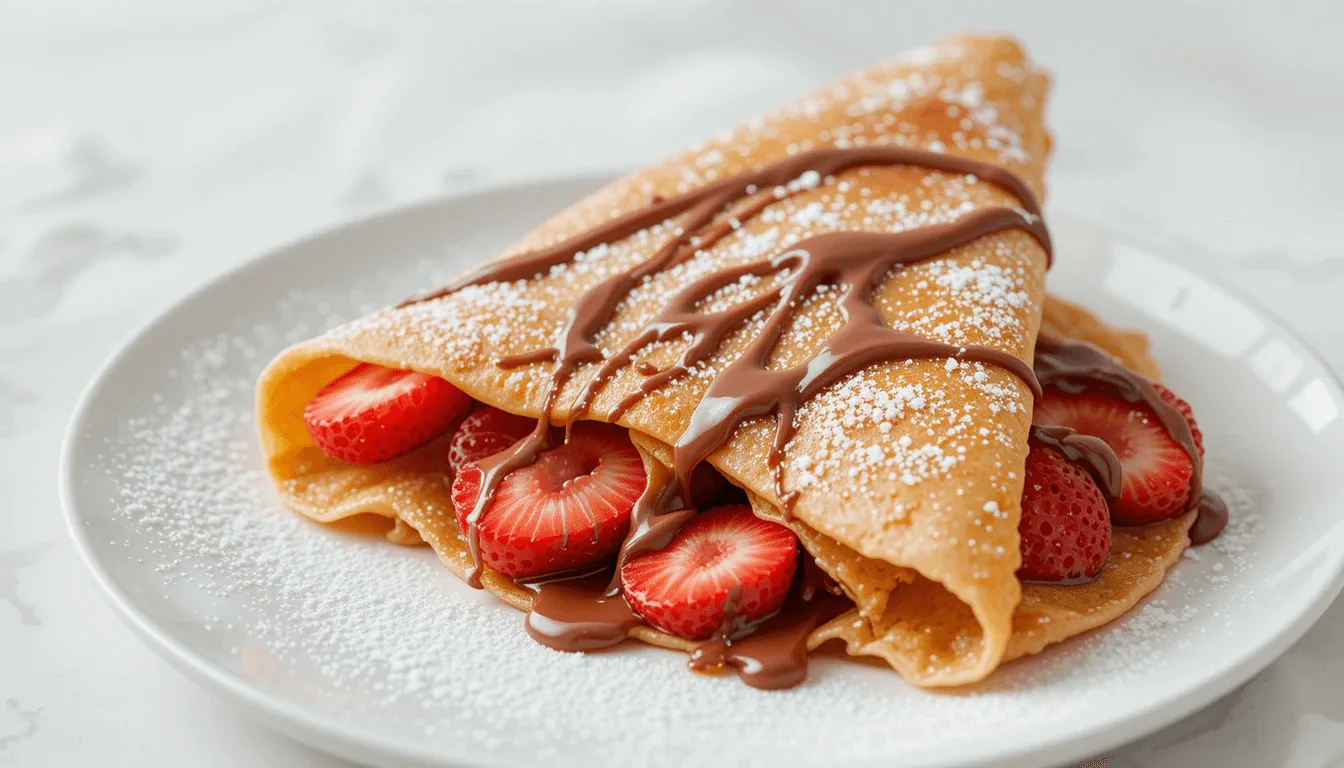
[148,145]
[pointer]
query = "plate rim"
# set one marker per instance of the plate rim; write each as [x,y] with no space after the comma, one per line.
[334,737]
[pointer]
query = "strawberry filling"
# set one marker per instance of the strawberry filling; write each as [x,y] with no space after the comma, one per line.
[1157,471]
[373,414]
[724,571]
[569,509]
[1066,517]
[485,432]
[1065,529]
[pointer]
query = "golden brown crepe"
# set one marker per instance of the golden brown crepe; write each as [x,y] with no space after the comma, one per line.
[908,473]
[928,627]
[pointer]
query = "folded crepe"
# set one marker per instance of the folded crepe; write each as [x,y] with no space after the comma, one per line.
[902,476]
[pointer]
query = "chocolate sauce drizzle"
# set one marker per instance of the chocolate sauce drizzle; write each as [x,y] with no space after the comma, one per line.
[659,512]
[589,613]
[586,614]
[1073,367]
[774,655]
[579,615]
[858,262]
[1091,453]
[1211,520]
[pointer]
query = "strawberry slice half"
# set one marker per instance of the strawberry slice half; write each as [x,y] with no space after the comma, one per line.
[374,414]
[1172,399]
[1065,529]
[486,432]
[568,509]
[684,588]
[1157,471]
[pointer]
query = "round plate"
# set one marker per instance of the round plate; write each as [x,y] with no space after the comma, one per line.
[376,652]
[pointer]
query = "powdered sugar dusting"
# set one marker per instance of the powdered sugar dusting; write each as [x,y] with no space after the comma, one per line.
[384,639]
[870,104]
[860,412]
[977,295]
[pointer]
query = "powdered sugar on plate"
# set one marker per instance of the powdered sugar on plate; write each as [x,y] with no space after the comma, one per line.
[382,637]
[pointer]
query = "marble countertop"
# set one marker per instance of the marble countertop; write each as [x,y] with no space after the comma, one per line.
[148,145]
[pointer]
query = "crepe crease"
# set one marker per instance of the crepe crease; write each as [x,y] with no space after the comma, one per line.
[908,473]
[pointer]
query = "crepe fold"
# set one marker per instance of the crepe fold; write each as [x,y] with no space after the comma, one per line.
[907,473]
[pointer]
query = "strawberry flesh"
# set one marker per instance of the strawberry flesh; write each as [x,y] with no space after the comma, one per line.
[1158,473]
[568,509]
[685,588]
[374,414]
[1065,529]
[1183,408]
[485,432]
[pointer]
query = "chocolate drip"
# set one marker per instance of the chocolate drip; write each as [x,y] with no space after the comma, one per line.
[1092,453]
[494,469]
[1210,520]
[774,654]
[659,512]
[729,627]
[1073,367]
[707,201]
[858,261]
[579,616]
[746,388]
[572,574]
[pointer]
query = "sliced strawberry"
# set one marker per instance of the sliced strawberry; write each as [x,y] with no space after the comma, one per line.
[1184,408]
[1157,471]
[568,509]
[684,588]
[1066,527]
[374,414]
[485,433]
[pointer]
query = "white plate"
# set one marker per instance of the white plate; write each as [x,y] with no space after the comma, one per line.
[375,652]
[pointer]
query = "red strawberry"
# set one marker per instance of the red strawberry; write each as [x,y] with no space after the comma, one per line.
[485,433]
[374,414]
[683,589]
[1184,408]
[1157,471]
[1066,527]
[568,509]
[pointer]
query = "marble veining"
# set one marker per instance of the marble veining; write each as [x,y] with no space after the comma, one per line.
[60,256]
[12,563]
[17,724]
[92,169]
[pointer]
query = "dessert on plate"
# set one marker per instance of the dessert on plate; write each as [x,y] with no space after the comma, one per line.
[800,383]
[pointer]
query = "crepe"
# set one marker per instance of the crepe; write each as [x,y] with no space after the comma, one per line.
[905,476]
[930,638]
